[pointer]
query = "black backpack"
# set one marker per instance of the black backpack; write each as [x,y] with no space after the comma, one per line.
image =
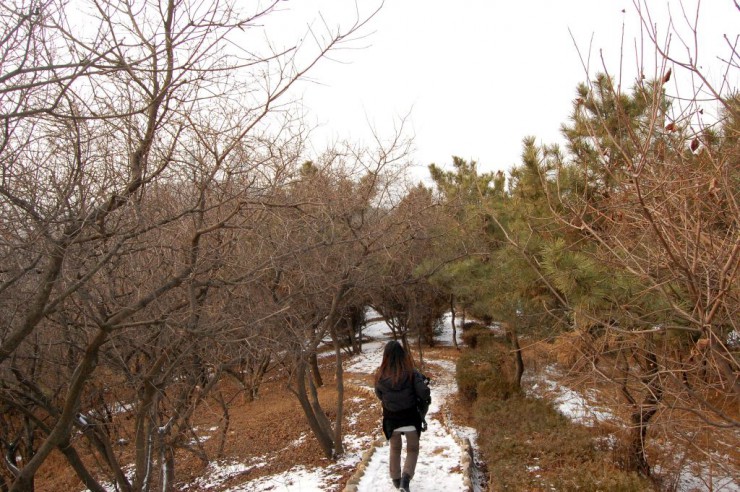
[422,404]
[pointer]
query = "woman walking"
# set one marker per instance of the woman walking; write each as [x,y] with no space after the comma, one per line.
[399,386]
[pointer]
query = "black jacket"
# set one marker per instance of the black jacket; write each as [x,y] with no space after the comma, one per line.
[400,402]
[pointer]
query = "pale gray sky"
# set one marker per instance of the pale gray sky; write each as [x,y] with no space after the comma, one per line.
[476,76]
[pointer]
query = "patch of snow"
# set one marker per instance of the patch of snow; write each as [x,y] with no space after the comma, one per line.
[301,439]
[118,407]
[445,338]
[297,479]
[369,360]
[438,467]
[699,476]
[566,400]
[219,472]
[692,477]
[733,339]
[571,404]
[198,440]
[377,330]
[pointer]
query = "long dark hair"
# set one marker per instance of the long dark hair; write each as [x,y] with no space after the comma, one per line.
[397,364]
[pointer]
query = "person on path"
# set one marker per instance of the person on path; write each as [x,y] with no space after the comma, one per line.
[399,386]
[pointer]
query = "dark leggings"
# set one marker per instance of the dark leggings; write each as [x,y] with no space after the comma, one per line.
[412,453]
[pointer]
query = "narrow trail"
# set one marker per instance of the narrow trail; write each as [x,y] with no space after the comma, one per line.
[444,459]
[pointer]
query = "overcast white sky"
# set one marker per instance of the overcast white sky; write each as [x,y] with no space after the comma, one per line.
[476,76]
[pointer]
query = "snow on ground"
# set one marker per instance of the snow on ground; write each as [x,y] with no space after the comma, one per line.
[567,401]
[438,467]
[218,472]
[692,477]
[380,329]
[698,477]
[445,338]
[368,361]
[296,479]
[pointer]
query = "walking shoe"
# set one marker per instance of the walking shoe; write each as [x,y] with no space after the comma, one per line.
[405,479]
[396,482]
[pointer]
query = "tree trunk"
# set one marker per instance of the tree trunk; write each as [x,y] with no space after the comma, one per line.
[513,337]
[315,372]
[636,460]
[318,409]
[325,440]
[333,320]
[257,375]
[167,466]
[359,337]
[225,427]
[454,327]
[421,349]
[518,357]
[103,445]
[61,430]
[338,447]
[79,467]
[144,445]
[354,345]
[143,434]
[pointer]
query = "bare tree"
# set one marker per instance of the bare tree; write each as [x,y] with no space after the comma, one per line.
[327,233]
[134,136]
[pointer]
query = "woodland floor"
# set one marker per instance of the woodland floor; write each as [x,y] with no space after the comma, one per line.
[272,429]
